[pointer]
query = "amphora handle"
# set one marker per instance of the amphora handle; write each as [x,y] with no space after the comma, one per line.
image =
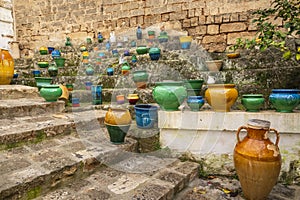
[277,135]
[238,133]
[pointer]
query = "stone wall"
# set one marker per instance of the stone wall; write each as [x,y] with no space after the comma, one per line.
[6,23]
[214,23]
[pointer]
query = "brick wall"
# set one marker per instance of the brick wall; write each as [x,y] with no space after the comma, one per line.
[214,23]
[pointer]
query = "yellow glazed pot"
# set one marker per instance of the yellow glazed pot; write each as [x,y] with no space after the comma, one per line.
[6,67]
[117,116]
[221,96]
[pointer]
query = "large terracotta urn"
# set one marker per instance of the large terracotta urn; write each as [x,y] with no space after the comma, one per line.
[169,94]
[6,67]
[257,159]
[221,96]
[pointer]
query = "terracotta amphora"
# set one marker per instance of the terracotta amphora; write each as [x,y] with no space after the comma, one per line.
[257,159]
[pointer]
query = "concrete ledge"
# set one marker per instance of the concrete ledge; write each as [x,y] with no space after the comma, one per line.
[227,121]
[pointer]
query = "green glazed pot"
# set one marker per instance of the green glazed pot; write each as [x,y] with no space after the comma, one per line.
[142,50]
[193,84]
[52,70]
[42,81]
[60,62]
[169,95]
[51,92]
[140,76]
[117,133]
[253,102]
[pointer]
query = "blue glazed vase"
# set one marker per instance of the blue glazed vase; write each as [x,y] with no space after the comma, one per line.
[169,94]
[154,53]
[146,115]
[195,102]
[285,100]
[55,53]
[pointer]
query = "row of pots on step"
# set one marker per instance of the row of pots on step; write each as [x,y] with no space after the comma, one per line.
[171,94]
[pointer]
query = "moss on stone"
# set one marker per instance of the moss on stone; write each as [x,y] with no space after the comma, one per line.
[34,193]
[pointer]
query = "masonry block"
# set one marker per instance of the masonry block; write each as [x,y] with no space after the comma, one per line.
[233,27]
[213,29]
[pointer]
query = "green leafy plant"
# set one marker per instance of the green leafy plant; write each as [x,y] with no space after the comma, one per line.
[270,34]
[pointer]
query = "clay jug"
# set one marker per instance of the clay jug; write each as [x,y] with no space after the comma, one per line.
[6,67]
[257,159]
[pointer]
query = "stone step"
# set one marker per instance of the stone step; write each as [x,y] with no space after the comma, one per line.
[34,169]
[8,92]
[29,107]
[144,177]
[31,129]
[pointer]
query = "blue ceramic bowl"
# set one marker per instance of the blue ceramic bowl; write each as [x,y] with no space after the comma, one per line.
[285,100]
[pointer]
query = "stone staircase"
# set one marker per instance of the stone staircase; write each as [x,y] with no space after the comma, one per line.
[49,152]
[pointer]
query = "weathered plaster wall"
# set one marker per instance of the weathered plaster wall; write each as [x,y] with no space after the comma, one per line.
[6,23]
[214,23]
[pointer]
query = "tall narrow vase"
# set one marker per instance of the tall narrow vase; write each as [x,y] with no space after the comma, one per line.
[257,159]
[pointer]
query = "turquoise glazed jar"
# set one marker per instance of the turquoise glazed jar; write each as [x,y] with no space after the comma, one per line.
[285,100]
[51,92]
[169,95]
[253,102]
[195,102]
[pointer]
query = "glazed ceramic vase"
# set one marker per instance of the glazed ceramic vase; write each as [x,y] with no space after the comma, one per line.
[89,71]
[142,50]
[55,53]
[195,102]
[154,53]
[42,81]
[6,67]
[117,122]
[43,64]
[132,98]
[125,68]
[145,115]
[285,100]
[169,94]
[43,50]
[214,65]
[257,159]
[221,96]
[140,77]
[50,92]
[253,102]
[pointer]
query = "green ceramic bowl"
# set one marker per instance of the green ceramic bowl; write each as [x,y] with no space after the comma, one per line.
[117,133]
[43,64]
[142,50]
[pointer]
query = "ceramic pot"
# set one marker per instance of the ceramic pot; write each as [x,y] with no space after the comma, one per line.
[125,68]
[96,94]
[69,86]
[257,159]
[6,67]
[154,53]
[253,102]
[43,64]
[89,71]
[193,84]
[75,102]
[68,42]
[169,95]
[110,71]
[117,133]
[88,85]
[132,98]
[42,81]
[151,34]
[43,50]
[50,49]
[55,54]
[117,116]
[233,55]
[185,42]
[60,62]
[126,52]
[50,92]
[214,65]
[36,73]
[195,102]
[142,50]
[82,48]
[221,96]
[133,58]
[139,33]
[65,94]
[140,76]
[120,99]
[145,115]
[52,70]
[285,100]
